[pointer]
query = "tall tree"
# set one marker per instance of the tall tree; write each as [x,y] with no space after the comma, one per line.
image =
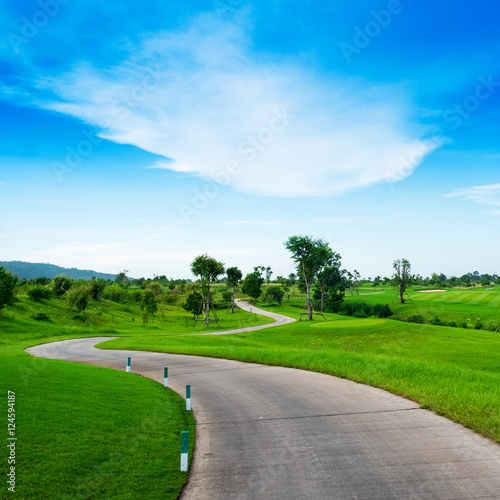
[7,284]
[252,284]
[293,280]
[310,256]
[234,276]
[268,274]
[402,276]
[208,270]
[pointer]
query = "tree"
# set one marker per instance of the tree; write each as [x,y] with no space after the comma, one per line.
[402,276]
[97,288]
[310,256]
[356,281]
[376,281]
[7,284]
[273,295]
[268,274]
[61,284]
[208,270]
[293,280]
[38,292]
[193,303]
[234,276]
[285,284]
[252,284]
[331,286]
[122,277]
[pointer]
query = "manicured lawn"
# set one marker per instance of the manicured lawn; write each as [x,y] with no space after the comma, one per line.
[452,371]
[452,304]
[87,432]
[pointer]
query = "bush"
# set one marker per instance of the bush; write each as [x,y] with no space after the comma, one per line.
[193,303]
[436,321]
[360,314]
[416,318]
[38,292]
[272,295]
[382,310]
[227,296]
[61,284]
[7,284]
[115,293]
[78,298]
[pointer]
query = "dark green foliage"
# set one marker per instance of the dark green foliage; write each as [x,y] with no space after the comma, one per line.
[42,280]
[360,314]
[115,293]
[97,288]
[436,321]
[193,303]
[252,284]
[416,318]
[78,298]
[61,284]
[382,310]
[352,308]
[272,295]
[7,285]
[227,296]
[38,292]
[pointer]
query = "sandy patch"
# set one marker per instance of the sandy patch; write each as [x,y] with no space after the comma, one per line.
[427,291]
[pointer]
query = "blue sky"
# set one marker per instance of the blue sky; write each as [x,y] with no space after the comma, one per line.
[137,136]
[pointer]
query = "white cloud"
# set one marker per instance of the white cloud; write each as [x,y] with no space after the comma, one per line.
[252,222]
[203,99]
[484,195]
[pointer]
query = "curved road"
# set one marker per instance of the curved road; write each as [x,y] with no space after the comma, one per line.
[266,432]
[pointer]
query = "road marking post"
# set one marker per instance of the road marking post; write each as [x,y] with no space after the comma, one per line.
[184,450]
[188,397]
[128,365]
[165,376]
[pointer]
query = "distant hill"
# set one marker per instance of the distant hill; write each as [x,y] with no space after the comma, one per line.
[30,270]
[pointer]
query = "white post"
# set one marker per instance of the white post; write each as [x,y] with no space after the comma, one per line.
[165,377]
[188,397]
[128,365]
[184,450]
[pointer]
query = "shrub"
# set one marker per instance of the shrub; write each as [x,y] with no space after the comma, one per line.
[382,310]
[7,284]
[115,293]
[272,295]
[38,292]
[360,314]
[193,303]
[416,318]
[227,296]
[436,321]
[61,284]
[78,298]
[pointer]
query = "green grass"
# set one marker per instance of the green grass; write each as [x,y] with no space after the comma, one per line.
[454,372]
[88,432]
[452,304]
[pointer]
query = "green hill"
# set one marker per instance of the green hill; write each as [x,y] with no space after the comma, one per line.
[31,270]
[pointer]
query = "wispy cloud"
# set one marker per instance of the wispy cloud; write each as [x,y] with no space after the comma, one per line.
[484,195]
[202,98]
[358,220]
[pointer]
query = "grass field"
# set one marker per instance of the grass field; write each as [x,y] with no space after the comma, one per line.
[452,304]
[87,432]
[452,371]
[97,433]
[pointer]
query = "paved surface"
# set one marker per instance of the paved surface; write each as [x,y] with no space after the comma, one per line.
[278,433]
[279,319]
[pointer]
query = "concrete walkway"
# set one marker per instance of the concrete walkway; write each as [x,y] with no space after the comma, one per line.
[266,432]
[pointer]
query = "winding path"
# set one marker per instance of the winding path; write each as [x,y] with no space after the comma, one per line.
[267,432]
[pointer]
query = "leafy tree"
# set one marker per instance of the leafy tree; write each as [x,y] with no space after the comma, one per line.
[331,285]
[42,280]
[97,288]
[252,284]
[376,281]
[38,292]
[122,277]
[193,303]
[356,281]
[268,274]
[208,269]
[61,284]
[7,284]
[272,294]
[310,256]
[402,276]
[285,284]
[115,293]
[293,280]
[234,276]
[78,298]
